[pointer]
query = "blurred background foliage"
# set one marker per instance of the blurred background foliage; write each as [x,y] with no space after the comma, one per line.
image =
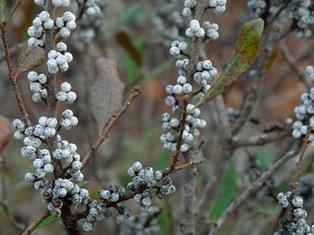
[128,35]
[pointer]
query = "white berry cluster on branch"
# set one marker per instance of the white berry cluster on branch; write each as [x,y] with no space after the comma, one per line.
[178,131]
[296,224]
[92,18]
[144,223]
[305,113]
[300,13]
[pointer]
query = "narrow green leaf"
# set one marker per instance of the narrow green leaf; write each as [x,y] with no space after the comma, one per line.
[227,191]
[49,220]
[128,46]
[244,55]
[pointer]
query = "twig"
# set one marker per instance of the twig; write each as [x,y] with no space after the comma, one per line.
[15,87]
[175,157]
[251,190]
[104,134]
[35,223]
[15,7]
[257,140]
[296,172]
[293,63]
[190,164]
[210,193]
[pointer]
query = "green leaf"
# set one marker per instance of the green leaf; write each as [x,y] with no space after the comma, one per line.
[126,43]
[244,55]
[49,220]
[226,193]
[133,63]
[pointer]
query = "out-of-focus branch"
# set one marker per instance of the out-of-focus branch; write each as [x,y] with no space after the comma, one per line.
[190,203]
[292,62]
[208,198]
[256,140]
[251,190]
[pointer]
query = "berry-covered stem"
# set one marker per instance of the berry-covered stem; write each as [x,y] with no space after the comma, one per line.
[175,157]
[51,88]
[197,42]
[296,172]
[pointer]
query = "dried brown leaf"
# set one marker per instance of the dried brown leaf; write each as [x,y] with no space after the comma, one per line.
[30,58]
[106,92]
[5,133]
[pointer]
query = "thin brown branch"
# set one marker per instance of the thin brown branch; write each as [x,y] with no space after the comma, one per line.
[15,7]
[250,190]
[175,157]
[35,223]
[294,181]
[15,86]
[188,165]
[257,140]
[104,134]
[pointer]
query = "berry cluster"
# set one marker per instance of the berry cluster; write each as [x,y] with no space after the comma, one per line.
[304,113]
[219,6]
[144,223]
[56,3]
[65,24]
[310,71]
[299,12]
[148,178]
[36,85]
[59,59]
[113,194]
[195,29]
[54,191]
[297,223]
[142,180]
[305,189]
[168,22]
[36,31]
[257,7]
[33,136]
[302,14]
[143,176]
[210,30]
[67,153]
[204,72]
[189,7]
[42,165]
[65,94]
[97,211]
[144,199]
[177,48]
[92,18]
[68,120]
